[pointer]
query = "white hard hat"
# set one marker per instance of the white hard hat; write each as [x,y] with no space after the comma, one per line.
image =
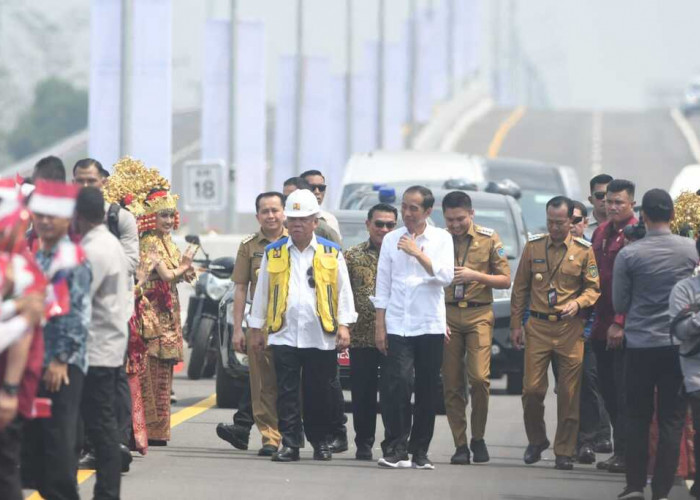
[301,203]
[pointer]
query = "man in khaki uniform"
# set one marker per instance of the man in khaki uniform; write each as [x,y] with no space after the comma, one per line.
[557,278]
[263,380]
[480,265]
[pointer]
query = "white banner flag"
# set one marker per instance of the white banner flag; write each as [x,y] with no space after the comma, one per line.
[105,81]
[315,118]
[440,80]
[395,94]
[151,91]
[364,103]
[425,67]
[338,154]
[284,122]
[251,122]
[215,90]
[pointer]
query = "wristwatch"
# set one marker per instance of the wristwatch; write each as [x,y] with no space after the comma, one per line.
[10,389]
[62,357]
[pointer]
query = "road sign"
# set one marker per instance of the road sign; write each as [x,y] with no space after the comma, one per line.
[206,185]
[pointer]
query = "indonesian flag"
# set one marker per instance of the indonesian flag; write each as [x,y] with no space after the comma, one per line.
[54,198]
[68,255]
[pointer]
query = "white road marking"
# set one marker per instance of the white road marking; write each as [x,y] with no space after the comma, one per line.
[688,133]
[456,133]
[597,144]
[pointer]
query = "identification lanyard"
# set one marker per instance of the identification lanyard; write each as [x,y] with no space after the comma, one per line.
[459,290]
[552,292]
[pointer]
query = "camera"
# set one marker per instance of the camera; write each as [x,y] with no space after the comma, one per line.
[634,232]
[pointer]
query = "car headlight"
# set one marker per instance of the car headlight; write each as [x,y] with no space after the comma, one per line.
[502,294]
[216,287]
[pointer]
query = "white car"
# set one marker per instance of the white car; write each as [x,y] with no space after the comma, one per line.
[687,180]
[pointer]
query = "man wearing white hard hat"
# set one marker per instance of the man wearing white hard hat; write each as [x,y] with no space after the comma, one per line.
[304,299]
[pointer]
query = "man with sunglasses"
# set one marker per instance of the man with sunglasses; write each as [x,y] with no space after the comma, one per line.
[607,334]
[598,185]
[365,358]
[481,265]
[318,186]
[304,300]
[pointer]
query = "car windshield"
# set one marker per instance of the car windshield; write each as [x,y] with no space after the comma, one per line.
[353,232]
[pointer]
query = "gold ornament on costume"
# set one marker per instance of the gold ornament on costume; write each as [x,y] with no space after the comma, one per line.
[141,190]
[687,210]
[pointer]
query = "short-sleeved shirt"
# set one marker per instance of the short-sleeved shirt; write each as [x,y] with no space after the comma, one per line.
[568,268]
[481,250]
[250,254]
[362,261]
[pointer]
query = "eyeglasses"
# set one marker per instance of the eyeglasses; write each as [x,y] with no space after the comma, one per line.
[321,187]
[577,220]
[310,276]
[382,224]
[599,195]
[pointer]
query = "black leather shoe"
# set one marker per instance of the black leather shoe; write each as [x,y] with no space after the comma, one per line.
[603,446]
[364,452]
[605,464]
[267,450]
[480,453]
[87,461]
[533,453]
[322,452]
[618,465]
[339,444]
[157,442]
[126,457]
[563,463]
[586,455]
[286,454]
[461,456]
[235,435]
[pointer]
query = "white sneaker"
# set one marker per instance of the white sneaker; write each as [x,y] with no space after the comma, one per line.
[395,462]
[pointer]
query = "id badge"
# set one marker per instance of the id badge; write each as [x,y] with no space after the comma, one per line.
[459,292]
[552,297]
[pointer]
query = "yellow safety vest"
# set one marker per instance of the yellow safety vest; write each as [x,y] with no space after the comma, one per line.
[325,275]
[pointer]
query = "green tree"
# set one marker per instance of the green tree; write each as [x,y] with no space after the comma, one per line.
[59,110]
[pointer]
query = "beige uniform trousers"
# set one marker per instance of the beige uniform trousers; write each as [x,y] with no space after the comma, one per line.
[263,393]
[543,340]
[471,335]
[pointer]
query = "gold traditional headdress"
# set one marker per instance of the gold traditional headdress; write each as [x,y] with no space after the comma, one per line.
[687,219]
[143,191]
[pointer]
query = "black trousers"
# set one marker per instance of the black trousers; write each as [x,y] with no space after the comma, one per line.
[244,415]
[338,425]
[593,415]
[364,381]
[312,370]
[422,356]
[611,381]
[10,445]
[49,447]
[99,417]
[694,402]
[122,405]
[646,370]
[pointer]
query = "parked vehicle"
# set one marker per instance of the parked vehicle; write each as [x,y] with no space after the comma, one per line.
[691,98]
[232,374]
[202,325]
[496,211]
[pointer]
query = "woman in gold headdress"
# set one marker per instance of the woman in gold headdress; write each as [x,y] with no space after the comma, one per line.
[146,194]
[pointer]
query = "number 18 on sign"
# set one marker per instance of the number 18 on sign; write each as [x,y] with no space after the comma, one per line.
[206,185]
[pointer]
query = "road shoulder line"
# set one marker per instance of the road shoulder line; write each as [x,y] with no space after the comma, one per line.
[502,132]
[686,129]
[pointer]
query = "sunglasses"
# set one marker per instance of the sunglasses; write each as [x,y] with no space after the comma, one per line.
[321,187]
[310,276]
[382,224]
[599,195]
[577,220]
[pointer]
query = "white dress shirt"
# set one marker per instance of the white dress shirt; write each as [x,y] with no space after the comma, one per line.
[301,326]
[414,300]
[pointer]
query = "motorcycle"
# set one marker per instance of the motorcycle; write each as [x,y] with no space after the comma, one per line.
[202,327]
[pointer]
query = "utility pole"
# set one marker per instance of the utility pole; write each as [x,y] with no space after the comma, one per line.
[233,40]
[450,53]
[512,54]
[299,97]
[411,76]
[496,49]
[348,76]
[380,72]
[127,66]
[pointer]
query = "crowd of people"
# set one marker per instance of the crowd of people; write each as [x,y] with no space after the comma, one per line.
[91,327]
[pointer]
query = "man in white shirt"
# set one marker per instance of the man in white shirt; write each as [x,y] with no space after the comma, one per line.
[304,299]
[415,264]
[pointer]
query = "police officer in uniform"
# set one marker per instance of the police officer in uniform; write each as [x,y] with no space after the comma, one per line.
[557,278]
[259,401]
[305,301]
[480,265]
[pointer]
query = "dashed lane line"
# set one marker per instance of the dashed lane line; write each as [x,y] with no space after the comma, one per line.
[502,132]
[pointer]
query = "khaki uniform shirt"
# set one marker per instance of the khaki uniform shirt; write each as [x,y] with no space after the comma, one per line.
[250,254]
[481,250]
[569,268]
[362,261]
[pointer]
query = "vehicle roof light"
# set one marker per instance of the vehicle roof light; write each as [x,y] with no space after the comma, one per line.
[387,194]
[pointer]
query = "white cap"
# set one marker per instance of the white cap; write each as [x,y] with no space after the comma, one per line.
[301,203]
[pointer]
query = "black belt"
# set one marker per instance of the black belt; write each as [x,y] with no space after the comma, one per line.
[463,304]
[547,316]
